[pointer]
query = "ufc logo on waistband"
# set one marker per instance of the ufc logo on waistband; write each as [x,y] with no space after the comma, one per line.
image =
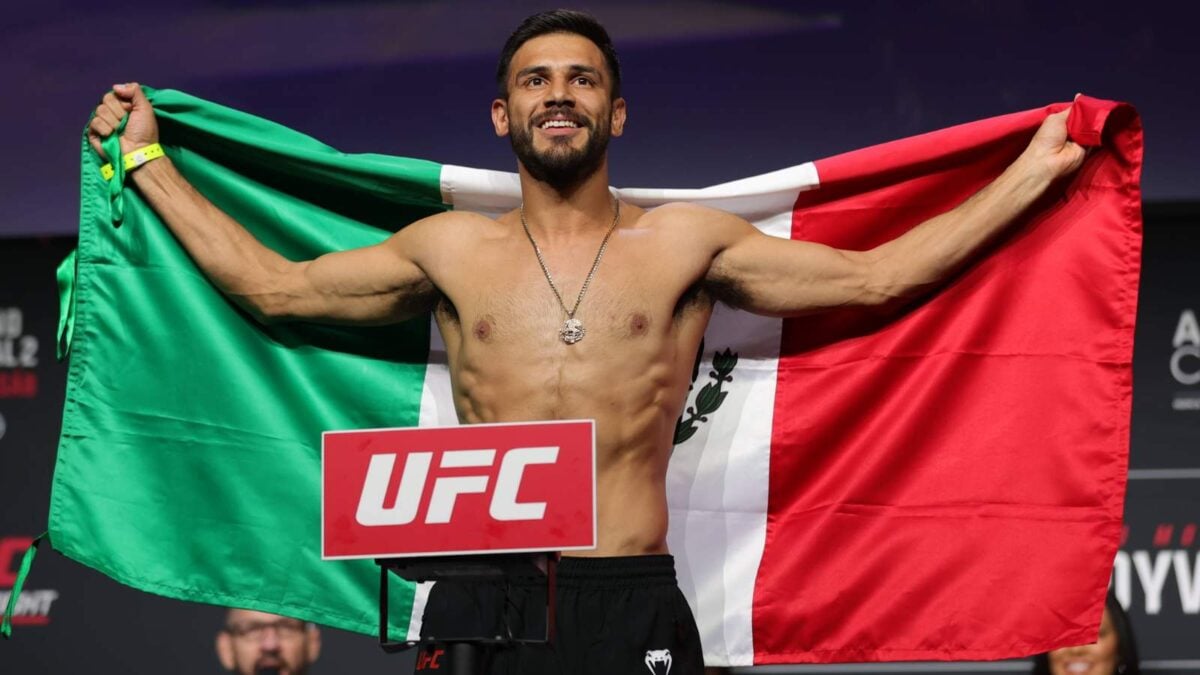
[446,488]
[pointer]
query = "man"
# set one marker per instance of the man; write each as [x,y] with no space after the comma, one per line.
[578,306]
[257,643]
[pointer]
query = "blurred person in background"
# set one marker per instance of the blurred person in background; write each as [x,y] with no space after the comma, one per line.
[257,643]
[1114,653]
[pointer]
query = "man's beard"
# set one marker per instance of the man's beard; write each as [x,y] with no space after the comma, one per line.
[562,167]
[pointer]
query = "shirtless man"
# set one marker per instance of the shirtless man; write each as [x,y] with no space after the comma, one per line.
[656,277]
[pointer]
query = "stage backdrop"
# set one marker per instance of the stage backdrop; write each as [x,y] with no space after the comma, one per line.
[72,619]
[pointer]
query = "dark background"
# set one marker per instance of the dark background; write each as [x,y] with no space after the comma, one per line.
[717,90]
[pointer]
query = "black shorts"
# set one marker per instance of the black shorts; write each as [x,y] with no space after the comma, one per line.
[613,615]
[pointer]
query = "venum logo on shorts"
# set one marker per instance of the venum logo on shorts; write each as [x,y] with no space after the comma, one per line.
[659,661]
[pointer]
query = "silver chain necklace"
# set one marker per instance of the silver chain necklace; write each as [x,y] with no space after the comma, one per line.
[572,329]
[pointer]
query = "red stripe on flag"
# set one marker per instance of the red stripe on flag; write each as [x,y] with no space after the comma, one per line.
[947,482]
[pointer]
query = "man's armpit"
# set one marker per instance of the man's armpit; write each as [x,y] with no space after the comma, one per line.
[720,288]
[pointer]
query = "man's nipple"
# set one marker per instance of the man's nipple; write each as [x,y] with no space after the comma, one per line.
[639,324]
[483,329]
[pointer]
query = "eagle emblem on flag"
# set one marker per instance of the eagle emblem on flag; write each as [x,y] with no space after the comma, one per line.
[711,395]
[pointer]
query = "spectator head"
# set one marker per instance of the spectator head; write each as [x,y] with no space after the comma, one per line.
[1114,653]
[257,643]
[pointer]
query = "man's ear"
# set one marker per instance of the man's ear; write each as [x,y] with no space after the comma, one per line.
[225,650]
[618,116]
[500,116]
[314,643]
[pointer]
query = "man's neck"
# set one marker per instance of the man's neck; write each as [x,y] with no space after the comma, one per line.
[582,208]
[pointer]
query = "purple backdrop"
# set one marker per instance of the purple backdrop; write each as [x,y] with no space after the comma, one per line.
[717,90]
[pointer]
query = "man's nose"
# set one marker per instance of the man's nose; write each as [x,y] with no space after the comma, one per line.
[560,94]
[270,640]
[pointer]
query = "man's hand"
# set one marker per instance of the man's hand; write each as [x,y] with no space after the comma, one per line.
[124,99]
[1052,151]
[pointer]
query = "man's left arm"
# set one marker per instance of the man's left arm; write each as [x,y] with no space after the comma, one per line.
[778,277]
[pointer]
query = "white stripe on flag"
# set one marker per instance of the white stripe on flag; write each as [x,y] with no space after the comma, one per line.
[437,398]
[717,487]
[719,516]
[417,617]
[480,190]
[761,199]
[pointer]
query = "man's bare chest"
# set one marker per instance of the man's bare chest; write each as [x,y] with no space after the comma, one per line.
[519,306]
[503,293]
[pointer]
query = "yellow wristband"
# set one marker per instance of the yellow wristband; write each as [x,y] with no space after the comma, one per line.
[134,159]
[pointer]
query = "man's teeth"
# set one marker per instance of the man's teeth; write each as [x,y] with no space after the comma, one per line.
[557,124]
[1079,667]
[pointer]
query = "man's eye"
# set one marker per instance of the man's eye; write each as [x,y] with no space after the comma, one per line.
[584,81]
[535,81]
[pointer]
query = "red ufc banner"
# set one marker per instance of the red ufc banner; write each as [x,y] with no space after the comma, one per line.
[484,488]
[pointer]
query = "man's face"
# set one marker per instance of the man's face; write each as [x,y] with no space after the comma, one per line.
[257,642]
[558,114]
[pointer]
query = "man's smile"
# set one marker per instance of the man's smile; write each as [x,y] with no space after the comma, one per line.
[560,124]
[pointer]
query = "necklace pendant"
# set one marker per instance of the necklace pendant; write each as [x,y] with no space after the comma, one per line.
[572,331]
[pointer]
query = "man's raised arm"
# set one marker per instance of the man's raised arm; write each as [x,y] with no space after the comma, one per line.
[375,284]
[778,277]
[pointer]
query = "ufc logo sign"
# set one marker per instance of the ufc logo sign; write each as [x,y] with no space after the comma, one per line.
[503,504]
[457,490]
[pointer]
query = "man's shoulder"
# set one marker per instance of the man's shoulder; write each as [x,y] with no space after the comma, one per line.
[686,213]
[456,219]
[453,224]
[452,236]
[675,210]
[692,220]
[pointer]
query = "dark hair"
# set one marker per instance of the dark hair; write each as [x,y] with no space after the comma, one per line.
[559,21]
[1127,654]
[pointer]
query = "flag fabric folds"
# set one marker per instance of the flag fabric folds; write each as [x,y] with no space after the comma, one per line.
[941,482]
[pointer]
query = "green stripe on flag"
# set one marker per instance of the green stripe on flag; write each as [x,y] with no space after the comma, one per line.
[189,463]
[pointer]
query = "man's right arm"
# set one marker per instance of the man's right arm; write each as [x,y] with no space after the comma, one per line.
[372,285]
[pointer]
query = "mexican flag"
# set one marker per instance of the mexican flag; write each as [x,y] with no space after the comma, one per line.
[942,482]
